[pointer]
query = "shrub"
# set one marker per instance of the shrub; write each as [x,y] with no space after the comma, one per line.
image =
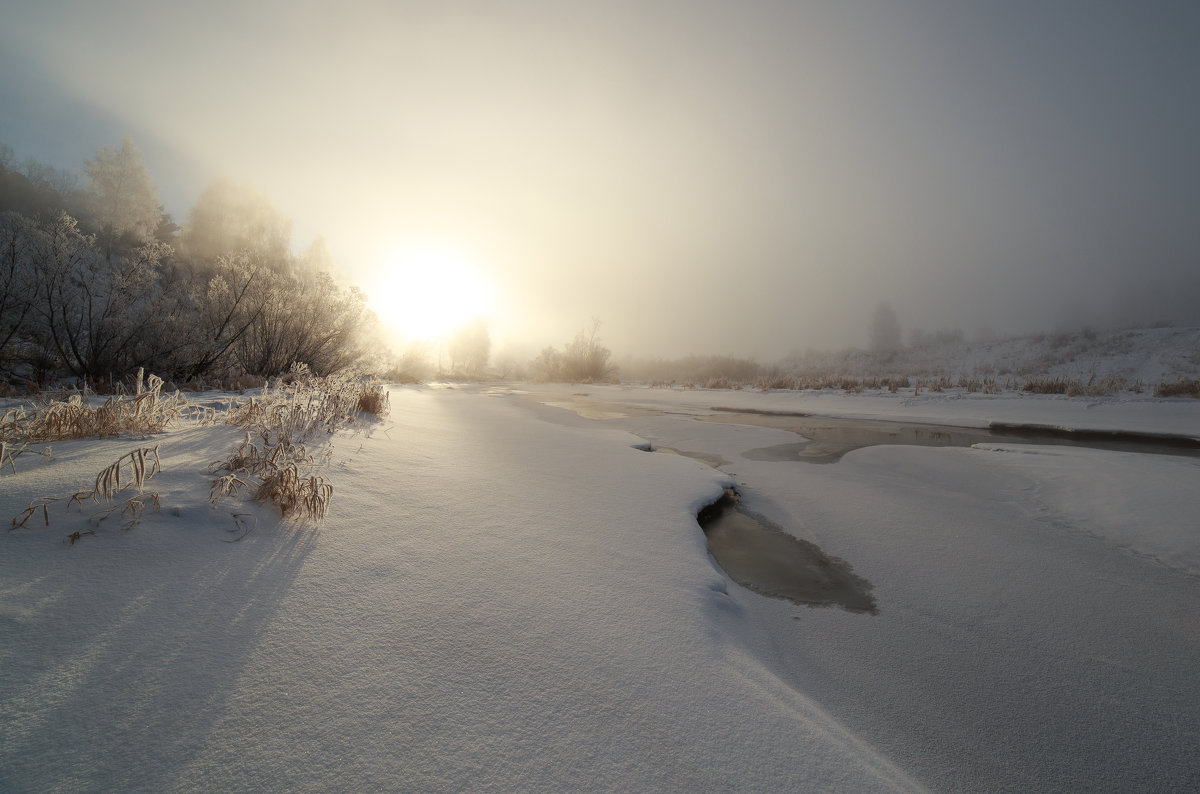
[770,382]
[373,400]
[584,360]
[1179,388]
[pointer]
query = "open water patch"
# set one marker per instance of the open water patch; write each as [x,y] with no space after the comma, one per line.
[761,557]
[827,439]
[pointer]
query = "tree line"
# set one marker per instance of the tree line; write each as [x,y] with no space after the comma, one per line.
[97,280]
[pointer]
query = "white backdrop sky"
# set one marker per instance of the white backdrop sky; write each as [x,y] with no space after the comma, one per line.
[704,176]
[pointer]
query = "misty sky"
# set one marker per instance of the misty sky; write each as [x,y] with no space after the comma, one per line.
[705,177]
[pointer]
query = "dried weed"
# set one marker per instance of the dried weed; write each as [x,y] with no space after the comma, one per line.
[49,419]
[1179,388]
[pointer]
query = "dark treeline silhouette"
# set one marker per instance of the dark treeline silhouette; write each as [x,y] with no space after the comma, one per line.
[97,280]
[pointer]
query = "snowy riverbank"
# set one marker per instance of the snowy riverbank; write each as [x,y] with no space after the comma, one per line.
[507,595]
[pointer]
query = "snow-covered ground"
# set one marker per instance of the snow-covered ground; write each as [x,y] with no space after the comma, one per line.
[508,595]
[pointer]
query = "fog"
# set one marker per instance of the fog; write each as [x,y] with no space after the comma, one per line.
[706,177]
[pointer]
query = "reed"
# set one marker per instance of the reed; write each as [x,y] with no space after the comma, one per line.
[1178,388]
[272,461]
[147,411]
[131,470]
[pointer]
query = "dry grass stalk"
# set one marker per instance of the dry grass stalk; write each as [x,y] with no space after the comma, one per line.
[37,504]
[142,465]
[148,411]
[280,481]
[10,453]
[131,508]
[772,382]
[228,485]
[278,422]
[243,523]
[248,458]
[373,399]
[1093,387]
[294,494]
[1179,388]
[308,405]
[200,414]
[281,417]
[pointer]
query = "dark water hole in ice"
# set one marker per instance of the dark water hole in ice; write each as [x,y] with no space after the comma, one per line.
[762,557]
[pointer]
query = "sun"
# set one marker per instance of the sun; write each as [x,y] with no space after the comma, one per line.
[426,292]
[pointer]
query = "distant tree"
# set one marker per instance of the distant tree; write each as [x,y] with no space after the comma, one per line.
[58,180]
[120,197]
[470,349]
[167,230]
[584,360]
[317,257]
[510,364]
[885,329]
[229,217]
[548,366]
[334,323]
[413,363]
[35,199]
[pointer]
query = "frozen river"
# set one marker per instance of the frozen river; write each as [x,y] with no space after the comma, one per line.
[1020,642]
[507,595]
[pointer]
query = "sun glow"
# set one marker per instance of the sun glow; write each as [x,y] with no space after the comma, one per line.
[426,292]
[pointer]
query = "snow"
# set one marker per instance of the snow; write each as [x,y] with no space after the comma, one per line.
[508,596]
[1130,412]
[1128,500]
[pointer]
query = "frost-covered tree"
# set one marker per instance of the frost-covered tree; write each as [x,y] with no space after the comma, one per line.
[584,360]
[303,318]
[226,305]
[98,317]
[18,235]
[229,217]
[33,197]
[57,180]
[63,258]
[470,348]
[121,199]
[98,294]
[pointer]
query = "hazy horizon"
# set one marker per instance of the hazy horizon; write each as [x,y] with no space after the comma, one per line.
[704,177]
